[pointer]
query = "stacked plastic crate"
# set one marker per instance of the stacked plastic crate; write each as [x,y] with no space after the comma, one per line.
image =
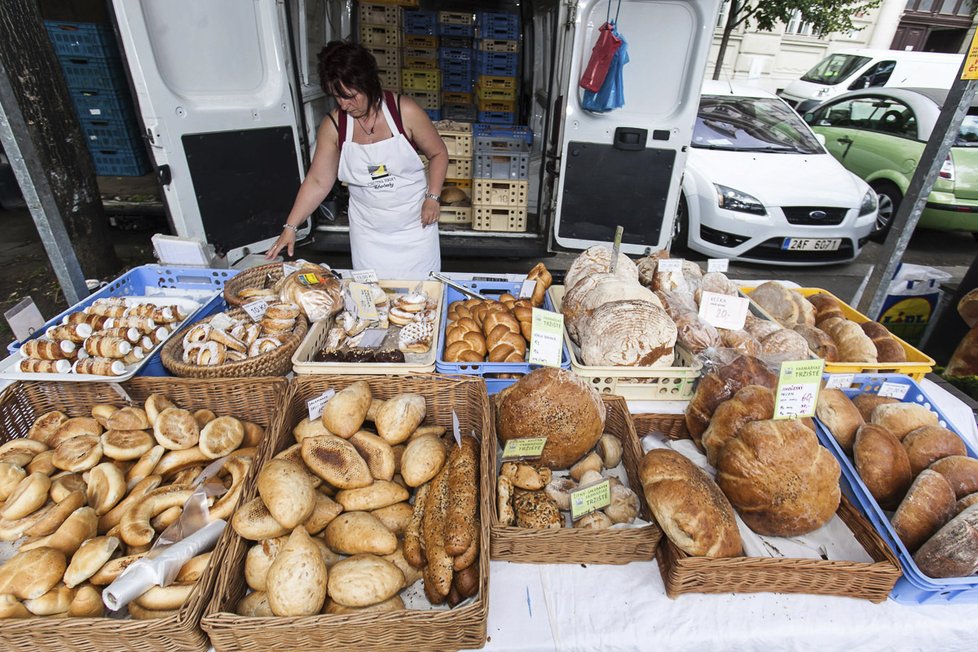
[457,62]
[380,33]
[497,66]
[420,77]
[92,67]
[500,184]
[457,137]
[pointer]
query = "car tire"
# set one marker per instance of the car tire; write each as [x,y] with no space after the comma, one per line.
[680,228]
[888,198]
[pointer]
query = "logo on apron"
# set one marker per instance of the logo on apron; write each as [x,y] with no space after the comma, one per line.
[378,171]
[380,178]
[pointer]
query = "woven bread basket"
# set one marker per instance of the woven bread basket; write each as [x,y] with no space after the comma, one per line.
[277,362]
[258,400]
[263,276]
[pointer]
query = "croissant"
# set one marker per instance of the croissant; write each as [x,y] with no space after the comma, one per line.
[542,276]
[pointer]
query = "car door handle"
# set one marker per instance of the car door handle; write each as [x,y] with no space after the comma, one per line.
[845,140]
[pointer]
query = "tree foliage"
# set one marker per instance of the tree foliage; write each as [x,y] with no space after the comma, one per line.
[825,15]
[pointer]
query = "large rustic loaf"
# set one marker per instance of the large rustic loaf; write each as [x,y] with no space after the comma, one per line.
[928,505]
[953,551]
[840,416]
[597,259]
[628,334]
[882,463]
[596,290]
[750,403]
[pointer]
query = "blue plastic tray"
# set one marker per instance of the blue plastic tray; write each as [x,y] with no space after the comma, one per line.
[103,105]
[128,161]
[109,134]
[451,29]
[480,130]
[913,587]
[420,22]
[81,39]
[497,64]
[88,73]
[488,289]
[497,25]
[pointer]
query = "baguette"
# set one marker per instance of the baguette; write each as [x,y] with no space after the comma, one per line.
[438,571]
[413,552]
[462,502]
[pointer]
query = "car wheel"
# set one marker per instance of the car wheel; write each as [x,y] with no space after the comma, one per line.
[889,198]
[680,226]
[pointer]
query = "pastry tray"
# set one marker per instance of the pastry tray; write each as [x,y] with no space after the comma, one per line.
[8,366]
[303,362]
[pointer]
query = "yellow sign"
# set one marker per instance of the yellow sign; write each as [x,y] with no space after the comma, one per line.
[971,62]
[525,448]
[590,499]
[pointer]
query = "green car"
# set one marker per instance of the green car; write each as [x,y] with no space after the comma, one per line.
[879,135]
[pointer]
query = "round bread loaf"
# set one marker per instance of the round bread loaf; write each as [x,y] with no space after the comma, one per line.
[778,477]
[596,290]
[928,505]
[901,418]
[927,444]
[557,404]
[628,334]
[882,464]
[751,403]
[840,416]
[953,551]
[598,259]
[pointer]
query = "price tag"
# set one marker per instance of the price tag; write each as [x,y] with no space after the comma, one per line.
[724,311]
[372,338]
[839,381]
[364,276]
[363,299]
[616,248]
[526,448]
[893,390]
[456,429]
[289,268]
[317,404]
[24,318]
[221,321]
[526,290]
[311,278]
[256,309]
[590,499]
[547,338]
[718,265]
[798,387]
[670,265]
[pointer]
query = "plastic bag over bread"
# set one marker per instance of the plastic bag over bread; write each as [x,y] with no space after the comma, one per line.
[314,289]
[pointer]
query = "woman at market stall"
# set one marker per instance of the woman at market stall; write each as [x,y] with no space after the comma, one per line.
[370,144]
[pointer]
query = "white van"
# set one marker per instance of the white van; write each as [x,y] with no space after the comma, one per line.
[849,70]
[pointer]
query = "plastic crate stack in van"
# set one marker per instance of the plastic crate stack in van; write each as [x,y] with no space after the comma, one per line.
[92,67]
[497,25]
[457,137]
[456,23]
[500,183]
[380,33]
[456,60]
[497,52]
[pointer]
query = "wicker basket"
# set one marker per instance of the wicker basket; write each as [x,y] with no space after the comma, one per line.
[683,573]
[263,276]
[408,630]
[276,362]
[256,400]
[578,546]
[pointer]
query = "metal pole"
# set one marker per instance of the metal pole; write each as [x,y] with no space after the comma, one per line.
[955,107]
[35,186]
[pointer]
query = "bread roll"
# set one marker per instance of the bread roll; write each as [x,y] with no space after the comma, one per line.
[391,604]
[353,533]
[928,505]
[176,429]
[126,445]
[128,418]
[399,416]
[960,471]
[27,497]
[840,416]
[395,517]
[346,411]
[965,503]
[826,307]
[220,436]
[953,551]
[10,477]
[820,343]
[296,580]
[901,418]
[423,458]
[89,558]
[777,301]
[31,573]
[882,463]
[555,402]
[377,453]
[866,403]
[253,521]
[46,425]
[751,403]
[336,461]
[854,345]
[324,511]
[106,487]
[254,605]
[364,580]
[888,349]
[286,492]
[778,477]
[259,559]
[78,453]
[87,603]
[56,601]
[365,499]
[927,444]
[688,505]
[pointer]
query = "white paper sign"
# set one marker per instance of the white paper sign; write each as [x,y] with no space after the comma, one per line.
[547,338]
[364,276]
[363,299]
[670,265]
[456,429]
[24,318]
[256,309]
[893,390]
[839,381]
[526,290]
[724,311]
[718,265]
[289,268]
[372,338]
[317,404]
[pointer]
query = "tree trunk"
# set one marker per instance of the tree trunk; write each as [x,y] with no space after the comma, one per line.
[735,8]
[56,157]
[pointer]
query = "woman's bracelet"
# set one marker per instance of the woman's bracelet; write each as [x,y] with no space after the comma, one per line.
[294,229]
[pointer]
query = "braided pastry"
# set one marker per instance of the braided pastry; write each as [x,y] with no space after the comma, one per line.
[523,311]
[504,337]
[542,276]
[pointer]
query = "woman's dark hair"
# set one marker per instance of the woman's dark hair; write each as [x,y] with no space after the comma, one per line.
[343,64]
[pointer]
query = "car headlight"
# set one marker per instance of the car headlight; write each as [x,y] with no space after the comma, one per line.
[869,203]
[734,200]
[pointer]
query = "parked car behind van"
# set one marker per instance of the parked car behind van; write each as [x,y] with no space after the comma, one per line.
[849,70]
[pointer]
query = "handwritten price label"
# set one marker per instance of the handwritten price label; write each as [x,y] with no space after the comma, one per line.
[526,448]
[670,265]
[718,265]
[316,405]
[893,390]
[526,290]
[547,339]
[798,387]
[364,276]
[723,311]
[590,499]
[256,309]
[363,301]
[839,381]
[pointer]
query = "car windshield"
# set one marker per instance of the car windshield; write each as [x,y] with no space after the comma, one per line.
[968,133]
[833,69]
[751,124]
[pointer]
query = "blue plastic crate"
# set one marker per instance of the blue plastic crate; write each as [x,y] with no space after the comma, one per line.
[103,105]
[489,289]
[455,54]
[497,25]
[120,162]
[480,130]
[81,39]
[456,67]
[914,587]
[83,73]
[501,64]
[110,134]
[450,29]
[459,112]
[420,23]
[456,82]
[433,114]
[497,117]
[455,42]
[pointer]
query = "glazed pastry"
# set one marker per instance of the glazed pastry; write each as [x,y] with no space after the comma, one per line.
[416,337]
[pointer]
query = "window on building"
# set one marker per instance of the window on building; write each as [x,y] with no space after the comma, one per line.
[724,10]
[945,7]
[798,26]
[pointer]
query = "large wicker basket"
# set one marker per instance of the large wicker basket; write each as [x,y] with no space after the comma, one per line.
[255,400]
[407,630]
[276,362]
[683,573]
[579,546]
[263,276]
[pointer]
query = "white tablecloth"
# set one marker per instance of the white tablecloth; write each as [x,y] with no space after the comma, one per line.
[571,607]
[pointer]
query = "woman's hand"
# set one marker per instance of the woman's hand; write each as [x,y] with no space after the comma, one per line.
[430,210]
[286,240]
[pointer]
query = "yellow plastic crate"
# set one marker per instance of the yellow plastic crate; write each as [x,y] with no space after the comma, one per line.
[421,63]
[507,106]
[380,36]
[425,99]
[379,14]
[458,168]
[498,45]
[494,192]
[464,184]
[499,218]
[421,80]
[456,97]
[494,94]
[498,83]
[455,215]
[457,141]
[456,17]
[417,41]
[390,79]
[387,57]
[918,363]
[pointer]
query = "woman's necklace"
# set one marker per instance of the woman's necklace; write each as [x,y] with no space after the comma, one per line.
[369,132]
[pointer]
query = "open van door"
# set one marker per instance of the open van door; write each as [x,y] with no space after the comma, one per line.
[212,80]
[625,167]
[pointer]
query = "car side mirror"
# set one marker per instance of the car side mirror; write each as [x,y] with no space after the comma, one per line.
[821,139]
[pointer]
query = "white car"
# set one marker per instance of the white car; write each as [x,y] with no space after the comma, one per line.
[760,187]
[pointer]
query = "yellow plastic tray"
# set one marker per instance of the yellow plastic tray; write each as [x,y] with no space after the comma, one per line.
[917,366]
[634,383]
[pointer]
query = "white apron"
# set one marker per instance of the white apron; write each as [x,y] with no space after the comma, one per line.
[387,185]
